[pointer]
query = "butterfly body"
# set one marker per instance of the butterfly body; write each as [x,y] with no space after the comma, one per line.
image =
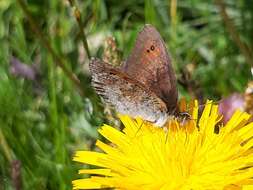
[145,86]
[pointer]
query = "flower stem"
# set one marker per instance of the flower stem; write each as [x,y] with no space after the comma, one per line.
[78,17]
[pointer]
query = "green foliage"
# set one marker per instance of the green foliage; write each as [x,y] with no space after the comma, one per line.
[43,121]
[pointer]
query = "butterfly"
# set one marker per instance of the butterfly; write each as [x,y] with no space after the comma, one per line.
[145,85]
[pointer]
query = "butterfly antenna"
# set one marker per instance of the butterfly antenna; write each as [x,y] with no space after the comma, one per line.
[213,102]
[187,115]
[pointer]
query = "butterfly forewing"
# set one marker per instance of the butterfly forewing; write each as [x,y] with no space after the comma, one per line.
[150,64]
[126,94]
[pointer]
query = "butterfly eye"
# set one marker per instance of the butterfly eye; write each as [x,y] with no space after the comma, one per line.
[152,48]
[148,50]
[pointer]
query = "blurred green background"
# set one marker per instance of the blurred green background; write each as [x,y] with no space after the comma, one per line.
[43,118]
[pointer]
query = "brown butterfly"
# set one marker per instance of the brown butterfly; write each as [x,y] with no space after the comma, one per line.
[145,86]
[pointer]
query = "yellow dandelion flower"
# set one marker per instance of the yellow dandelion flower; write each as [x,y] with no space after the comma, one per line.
[189,155]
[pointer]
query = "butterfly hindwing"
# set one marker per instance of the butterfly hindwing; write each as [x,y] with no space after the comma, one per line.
[126,94]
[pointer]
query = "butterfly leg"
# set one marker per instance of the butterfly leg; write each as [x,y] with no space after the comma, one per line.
[139,128]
